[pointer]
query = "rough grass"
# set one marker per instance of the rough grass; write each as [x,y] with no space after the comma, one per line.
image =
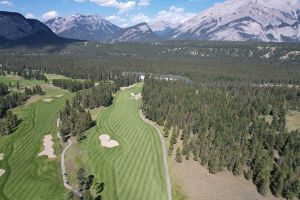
[23,82]
[198,184]
[51,77]
[28,176]
[134,170]
[293,121]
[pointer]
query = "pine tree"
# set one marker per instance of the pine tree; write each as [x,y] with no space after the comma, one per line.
[178,155]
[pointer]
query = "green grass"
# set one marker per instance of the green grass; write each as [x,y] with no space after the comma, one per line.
[28,176]
[134,170]
[23,82]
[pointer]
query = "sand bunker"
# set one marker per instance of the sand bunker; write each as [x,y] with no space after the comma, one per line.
[2,171]
[48,149]
[107,142]
[48,100]
[135,96]
[60,95]
[125,88]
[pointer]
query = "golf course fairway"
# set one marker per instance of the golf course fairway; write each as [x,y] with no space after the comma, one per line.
[133,170]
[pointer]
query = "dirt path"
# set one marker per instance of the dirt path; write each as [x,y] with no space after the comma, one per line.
[168,183]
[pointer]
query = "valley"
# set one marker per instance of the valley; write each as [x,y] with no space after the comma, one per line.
[150,100]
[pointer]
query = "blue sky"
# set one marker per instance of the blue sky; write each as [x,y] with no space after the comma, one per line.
[120,12]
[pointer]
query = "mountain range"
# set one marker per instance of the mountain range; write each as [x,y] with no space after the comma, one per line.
[233,20]
[16,29]
[82,27]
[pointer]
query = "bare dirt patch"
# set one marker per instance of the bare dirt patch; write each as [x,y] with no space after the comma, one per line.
[2,171]
[135,96]
[33,99]
[59,96]
[130,86]
[95,112]
[106,141]
[293,121]
[48,149]
[48,100]
[198,184]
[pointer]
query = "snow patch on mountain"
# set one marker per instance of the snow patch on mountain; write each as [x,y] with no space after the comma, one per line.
[84,27]
[138,33]
[241,20]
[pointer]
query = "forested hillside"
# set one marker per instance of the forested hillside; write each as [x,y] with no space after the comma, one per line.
[199,61]
[223,127]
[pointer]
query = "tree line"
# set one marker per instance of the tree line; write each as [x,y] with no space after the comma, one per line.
[75,118]
[224,127]
[72,85]
[88,186]
[29,74]
[8,120]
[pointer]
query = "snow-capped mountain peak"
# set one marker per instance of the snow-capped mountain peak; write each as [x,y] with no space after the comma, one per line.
[138,33]
[84,27]
[162,26]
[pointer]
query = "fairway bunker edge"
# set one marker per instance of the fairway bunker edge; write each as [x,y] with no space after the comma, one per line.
[107,142]
[48,147]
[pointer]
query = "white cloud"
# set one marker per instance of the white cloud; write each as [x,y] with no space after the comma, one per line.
[125,7]
[139,18]
[174,15]
[116,19]
[120,5]
[6,3]
[144,3]
[50,15]
[29,16]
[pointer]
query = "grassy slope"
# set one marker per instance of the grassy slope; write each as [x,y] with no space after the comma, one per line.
[28,176]
[23,82]
[134,170]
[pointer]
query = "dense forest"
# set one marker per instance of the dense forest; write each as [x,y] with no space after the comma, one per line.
[225,62]
[74,120]
[89,187]
[29,74]
[72,85]
[224,127]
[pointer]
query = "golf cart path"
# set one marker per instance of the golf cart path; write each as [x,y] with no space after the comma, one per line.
[63,167]
[168,183]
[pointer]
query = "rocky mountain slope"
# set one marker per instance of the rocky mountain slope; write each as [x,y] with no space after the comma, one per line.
[245,20]
[138,33]
[82,27]
[163,28]
[15,28]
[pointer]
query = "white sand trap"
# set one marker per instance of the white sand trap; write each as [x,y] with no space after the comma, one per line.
[60,95]
[1,156]
[125,88]
[48,100]
[107,142]
[135,96]
[48,149]
[2,171]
